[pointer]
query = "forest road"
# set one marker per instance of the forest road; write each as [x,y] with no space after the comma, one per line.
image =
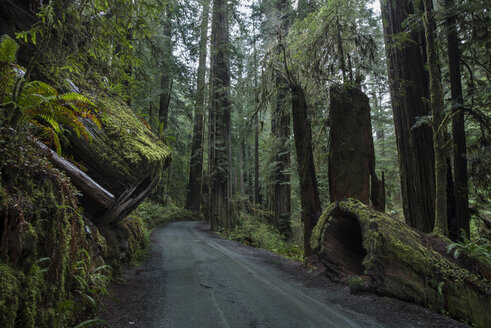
[193,278]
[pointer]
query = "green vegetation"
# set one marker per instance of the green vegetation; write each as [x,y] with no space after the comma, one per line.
[254,232]
[113,86]
[477,248]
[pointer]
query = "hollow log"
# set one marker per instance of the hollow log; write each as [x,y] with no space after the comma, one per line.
[354,242]
[123,157]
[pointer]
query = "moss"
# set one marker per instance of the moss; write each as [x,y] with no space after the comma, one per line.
[406,264]
[356,284]
[9,295]
[124,148]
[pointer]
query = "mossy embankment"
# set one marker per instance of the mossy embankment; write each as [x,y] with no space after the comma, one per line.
[55,263]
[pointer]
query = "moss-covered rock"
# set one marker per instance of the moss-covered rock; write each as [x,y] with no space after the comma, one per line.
[352,239]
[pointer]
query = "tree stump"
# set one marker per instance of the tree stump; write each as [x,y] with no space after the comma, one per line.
[351,150]
[390,258]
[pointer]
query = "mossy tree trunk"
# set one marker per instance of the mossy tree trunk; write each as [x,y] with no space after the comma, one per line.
[309,193]
[371,250]
[438,124]
[193,199]
[351,149]
[124,157]
[408,87]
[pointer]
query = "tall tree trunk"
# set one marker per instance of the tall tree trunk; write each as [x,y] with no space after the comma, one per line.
[219,157]
[309,193]
[280,127]
[408,88]
[193,199]
[282,189]
[458,129]
[166,80]
[257,187]
[439,143]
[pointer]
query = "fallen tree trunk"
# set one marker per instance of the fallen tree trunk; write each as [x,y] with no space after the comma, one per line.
[79,178]
[371,250]
[123,157]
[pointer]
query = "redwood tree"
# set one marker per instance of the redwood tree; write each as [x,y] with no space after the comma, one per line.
[409,87]
[219,155]
[193,198]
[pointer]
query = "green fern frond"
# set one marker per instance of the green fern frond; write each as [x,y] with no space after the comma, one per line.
[8,49]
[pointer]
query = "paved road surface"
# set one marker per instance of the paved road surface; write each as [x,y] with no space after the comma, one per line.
[197,280]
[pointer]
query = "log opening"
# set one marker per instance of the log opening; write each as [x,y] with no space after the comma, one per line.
[343,240]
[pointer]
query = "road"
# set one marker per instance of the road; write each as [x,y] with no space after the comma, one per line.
[196,279]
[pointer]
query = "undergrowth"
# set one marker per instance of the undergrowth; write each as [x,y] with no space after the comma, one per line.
[150,215]
[253,232]
[477,248]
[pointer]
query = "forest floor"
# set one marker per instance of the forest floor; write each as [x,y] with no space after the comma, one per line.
[193,278]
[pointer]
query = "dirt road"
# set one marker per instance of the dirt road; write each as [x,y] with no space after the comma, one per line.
[193,278]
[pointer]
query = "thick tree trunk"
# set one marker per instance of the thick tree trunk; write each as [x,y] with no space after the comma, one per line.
[309,194]
[219,158]
[124,157]
[280,127]
[408,88]
[458,129]
[79,178]
[193,199]
[439,142]
[351,149]
[371,250]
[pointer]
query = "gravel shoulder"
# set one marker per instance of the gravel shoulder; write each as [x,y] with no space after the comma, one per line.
[193,278]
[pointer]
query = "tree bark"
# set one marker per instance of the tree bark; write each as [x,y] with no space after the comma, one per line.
[370,250]
[439,142]
[309,193]
[166,80]
[193,199]
[408,89]
[219,158]
[458,129]
[280,127]
[351,149]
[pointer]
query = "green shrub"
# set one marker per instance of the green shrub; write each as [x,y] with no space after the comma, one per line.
[253,232]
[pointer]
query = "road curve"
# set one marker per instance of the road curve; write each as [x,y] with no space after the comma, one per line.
[210,285]
[193,278]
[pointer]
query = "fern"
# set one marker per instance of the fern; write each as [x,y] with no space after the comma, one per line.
[39,103]
[8,49]
[479,249]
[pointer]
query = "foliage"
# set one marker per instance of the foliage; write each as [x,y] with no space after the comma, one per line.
[478,248]
[90,282]
[252,231]
[36,102]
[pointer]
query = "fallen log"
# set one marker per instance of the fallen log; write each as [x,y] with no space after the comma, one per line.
[374,251]
[79,178]
[123,157]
